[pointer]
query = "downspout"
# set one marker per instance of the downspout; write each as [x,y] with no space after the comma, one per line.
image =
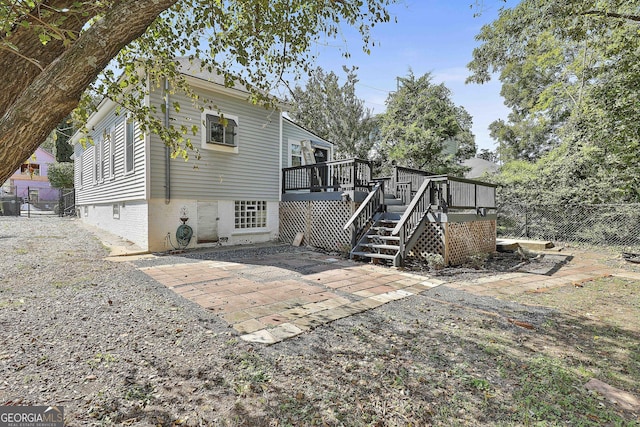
[280,163]
[167,149]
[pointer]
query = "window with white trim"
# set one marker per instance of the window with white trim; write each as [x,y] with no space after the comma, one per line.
[98,155]
[103,155]
[129,136]
[220,131]
[79,166]
[295,158]
[250,214]
[112,152]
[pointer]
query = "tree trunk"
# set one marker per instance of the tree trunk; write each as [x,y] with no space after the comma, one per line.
[56,91]
[21,65]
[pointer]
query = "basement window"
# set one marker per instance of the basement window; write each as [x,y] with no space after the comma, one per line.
[250,214]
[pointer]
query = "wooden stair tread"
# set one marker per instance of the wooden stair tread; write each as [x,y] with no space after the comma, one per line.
[374,236]
[380,246]
[373,255]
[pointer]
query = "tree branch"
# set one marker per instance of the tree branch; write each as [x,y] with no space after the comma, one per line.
[54,93]
[606,14]
[29,54]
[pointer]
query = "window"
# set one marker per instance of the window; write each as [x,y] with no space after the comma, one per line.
[32,169]
[220,132]
[116,211]
[103,159]
[79,162]
[296,155]
[112,152]
[129,135]
[97,161]
[251,214]
[33,196]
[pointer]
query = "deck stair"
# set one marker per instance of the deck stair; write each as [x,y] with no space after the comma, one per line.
[378,244]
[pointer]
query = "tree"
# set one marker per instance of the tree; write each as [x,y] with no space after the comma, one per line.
[61,175]
[57,142]
[52,51]
[63,133]
[487,155]
[422,127]
[334,112]
[570,75]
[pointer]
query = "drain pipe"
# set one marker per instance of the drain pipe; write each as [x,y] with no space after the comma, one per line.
[167,149]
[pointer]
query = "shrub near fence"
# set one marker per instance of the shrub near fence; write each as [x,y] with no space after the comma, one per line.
[611,225]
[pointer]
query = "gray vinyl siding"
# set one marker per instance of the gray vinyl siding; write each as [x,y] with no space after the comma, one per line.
[123,186]
[296,133]
[251,174]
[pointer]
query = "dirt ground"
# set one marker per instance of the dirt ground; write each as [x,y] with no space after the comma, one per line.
[113,347]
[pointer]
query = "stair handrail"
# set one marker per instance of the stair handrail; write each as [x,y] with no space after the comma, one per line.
[364,213]
[419,205]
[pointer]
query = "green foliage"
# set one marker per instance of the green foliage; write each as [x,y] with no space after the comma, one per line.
[487,155]
[252,43]
[423,129]
[570,74]
[63,133]
[61,175]
[335,113]
[435,261]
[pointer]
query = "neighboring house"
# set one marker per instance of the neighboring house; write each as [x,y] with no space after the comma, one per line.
[30,182]
[479,167]
[127,183]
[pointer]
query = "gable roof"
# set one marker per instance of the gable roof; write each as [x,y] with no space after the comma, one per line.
[319,141]
[204,77]
[208,79]
[479,167]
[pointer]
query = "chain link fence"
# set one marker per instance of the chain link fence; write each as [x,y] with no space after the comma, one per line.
[606,225]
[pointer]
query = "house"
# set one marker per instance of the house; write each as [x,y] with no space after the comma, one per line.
[31,182]
[479,167]
[259,177]
[128,184]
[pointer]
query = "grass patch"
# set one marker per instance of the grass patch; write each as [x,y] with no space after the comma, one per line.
[551,394]
[604,300]
[252,376]
[143,394]
[11,303]
[102,359]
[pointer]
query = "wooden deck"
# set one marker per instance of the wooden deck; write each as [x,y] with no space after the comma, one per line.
[340,205]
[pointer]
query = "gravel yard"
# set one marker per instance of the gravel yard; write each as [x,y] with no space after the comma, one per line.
[114,347]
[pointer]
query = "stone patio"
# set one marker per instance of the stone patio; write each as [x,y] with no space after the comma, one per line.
[280,295]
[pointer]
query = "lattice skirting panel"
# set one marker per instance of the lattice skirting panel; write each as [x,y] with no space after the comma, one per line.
[293,220]
[430,242]
[321,222]
[464,239]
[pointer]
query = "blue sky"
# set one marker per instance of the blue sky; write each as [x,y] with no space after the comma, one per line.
[436,36]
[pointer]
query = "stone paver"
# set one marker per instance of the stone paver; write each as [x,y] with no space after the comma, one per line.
[277,297]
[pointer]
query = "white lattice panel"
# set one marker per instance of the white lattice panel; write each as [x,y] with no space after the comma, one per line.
[321,222]
[293,220]
[327,222]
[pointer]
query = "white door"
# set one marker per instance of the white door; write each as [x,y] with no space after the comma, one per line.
[207,222]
